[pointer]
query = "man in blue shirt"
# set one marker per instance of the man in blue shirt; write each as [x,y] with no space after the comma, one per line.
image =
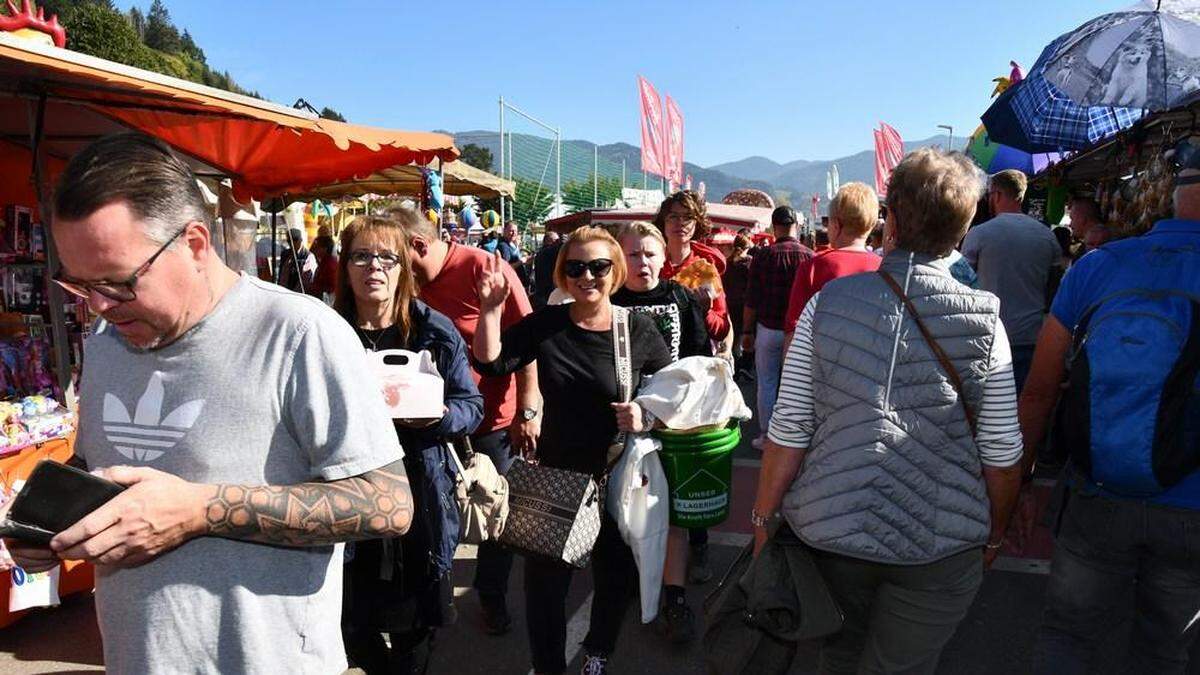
[1110,545]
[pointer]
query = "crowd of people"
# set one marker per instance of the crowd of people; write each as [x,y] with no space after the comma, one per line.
[887,365]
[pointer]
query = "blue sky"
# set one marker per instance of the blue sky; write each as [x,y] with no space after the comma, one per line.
[787,80]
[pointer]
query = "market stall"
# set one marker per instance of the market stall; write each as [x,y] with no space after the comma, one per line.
[53,102]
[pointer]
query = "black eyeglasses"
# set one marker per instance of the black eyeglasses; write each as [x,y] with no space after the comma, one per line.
[364,258]
[598,267]
[121,291]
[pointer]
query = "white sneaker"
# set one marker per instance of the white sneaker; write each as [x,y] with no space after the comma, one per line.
[757,443]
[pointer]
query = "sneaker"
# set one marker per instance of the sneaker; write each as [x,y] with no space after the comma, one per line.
[594,664]
[496,620]
[676,622]
[698,569]
[757,443]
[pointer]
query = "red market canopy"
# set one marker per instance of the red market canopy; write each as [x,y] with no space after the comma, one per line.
[267,149]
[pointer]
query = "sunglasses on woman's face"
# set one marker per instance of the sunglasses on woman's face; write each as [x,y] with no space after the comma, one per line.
[598,267]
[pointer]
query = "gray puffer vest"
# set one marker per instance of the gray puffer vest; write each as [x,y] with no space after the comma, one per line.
[893,474]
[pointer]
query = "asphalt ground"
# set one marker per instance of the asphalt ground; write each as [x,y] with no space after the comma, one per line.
[997,636]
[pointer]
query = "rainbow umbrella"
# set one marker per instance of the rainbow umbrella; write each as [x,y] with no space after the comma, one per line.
[993,157]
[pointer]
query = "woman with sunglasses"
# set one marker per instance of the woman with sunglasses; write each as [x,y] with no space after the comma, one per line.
[573,346]
[402,586]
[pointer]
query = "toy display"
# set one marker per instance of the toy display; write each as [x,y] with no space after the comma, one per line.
[32,420]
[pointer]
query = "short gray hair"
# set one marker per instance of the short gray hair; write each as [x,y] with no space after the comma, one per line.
[140,171]
[932,195]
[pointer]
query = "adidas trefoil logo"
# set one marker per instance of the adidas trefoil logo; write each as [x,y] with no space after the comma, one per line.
[148,434]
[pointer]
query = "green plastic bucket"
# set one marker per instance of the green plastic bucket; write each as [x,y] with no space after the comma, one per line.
[700,477]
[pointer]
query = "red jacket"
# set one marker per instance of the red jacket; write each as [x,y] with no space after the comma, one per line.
[717,319]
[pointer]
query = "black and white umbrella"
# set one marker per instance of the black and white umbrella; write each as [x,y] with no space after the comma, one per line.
[1147,56]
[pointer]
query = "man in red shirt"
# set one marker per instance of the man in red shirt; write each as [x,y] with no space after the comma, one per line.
[852,216]
[771,276]
[446,274]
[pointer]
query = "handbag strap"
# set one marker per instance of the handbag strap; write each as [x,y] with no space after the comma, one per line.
[624,365]
[951,371]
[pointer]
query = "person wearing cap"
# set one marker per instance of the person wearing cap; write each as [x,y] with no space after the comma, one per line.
[1110,544]
[297,266]
[765,311]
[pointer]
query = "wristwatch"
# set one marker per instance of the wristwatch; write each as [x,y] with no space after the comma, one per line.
[527,414]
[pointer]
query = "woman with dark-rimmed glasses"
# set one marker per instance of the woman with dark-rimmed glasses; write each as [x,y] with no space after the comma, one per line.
[573,346]
[402,586]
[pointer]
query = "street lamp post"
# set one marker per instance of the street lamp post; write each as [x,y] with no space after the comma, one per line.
[949,136]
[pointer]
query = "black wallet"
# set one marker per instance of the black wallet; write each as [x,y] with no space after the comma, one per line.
[55,497]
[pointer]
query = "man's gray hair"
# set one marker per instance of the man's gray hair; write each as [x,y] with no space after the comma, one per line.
[140,171]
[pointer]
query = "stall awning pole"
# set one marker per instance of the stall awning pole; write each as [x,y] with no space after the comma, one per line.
[58,325]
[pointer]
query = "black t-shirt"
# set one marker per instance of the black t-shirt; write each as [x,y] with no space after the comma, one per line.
[675,313]
[578,381]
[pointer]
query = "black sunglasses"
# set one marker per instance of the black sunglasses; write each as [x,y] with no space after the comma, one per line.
[364,258]
[598,267]
[120,291]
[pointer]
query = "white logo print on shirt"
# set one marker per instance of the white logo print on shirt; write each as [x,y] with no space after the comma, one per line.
[148,435]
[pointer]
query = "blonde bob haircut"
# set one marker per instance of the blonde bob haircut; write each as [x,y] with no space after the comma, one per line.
[641,229]
[586,235]
[932,197]
[856,209]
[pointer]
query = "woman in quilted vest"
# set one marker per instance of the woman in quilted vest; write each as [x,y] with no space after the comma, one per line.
[894,446]
[577,378]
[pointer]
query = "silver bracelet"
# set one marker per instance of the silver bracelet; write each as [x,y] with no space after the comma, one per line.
[759,520]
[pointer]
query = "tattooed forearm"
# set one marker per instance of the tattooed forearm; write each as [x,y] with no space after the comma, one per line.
[375,504]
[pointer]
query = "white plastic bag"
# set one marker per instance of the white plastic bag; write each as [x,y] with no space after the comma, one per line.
[694,392]
[639,500]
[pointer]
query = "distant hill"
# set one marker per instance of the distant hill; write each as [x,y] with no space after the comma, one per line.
[796,180]
[533,158]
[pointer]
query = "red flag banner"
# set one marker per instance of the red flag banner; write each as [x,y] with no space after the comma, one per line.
[893,143]
[652,129]
[673,158]
[881,171]
[889,150]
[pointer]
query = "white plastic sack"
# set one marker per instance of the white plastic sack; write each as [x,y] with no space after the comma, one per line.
[639,500]
[694,392]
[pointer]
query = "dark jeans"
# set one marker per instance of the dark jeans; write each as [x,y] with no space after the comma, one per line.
[615,582]
[494,562]
[1022,356]
[410,651]
[1108,551]
[897,617]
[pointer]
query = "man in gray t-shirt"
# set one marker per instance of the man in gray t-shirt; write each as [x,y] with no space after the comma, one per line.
[241,417]
[1012,254]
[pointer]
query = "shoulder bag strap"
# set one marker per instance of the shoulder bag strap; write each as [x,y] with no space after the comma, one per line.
[620,333]
[951,372]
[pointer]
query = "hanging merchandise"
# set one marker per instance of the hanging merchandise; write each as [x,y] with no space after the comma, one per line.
[434,197]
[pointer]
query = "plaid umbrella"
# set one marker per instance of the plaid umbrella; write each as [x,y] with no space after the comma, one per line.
[1035,116]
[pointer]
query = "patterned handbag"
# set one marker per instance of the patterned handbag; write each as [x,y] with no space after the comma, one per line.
[552,513]
[555,513]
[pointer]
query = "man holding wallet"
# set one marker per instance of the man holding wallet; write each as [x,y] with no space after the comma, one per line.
[234,414]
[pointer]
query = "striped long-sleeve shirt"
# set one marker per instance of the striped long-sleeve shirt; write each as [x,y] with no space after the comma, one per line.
[997,433]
